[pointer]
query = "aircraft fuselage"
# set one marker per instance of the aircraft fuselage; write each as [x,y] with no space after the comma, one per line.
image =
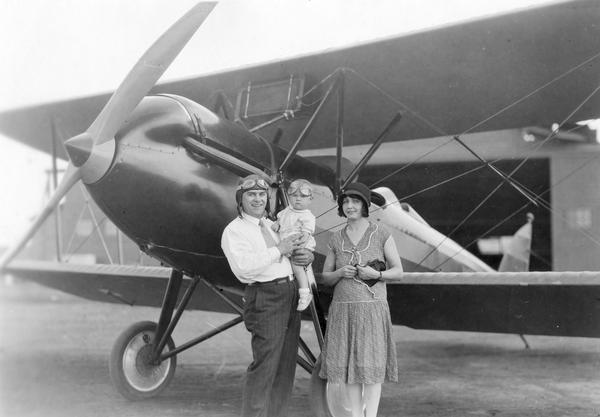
[174,202]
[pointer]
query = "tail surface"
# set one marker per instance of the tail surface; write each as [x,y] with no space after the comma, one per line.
[517,252]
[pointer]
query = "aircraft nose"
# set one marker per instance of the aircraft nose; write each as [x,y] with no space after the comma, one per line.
[79,148]
[93,160]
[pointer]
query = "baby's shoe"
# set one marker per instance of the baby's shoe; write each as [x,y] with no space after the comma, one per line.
[305,299]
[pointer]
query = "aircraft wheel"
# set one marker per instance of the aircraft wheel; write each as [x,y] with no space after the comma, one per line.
[131,369]
[328,400]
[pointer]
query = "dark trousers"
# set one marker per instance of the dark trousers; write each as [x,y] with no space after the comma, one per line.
[270,316]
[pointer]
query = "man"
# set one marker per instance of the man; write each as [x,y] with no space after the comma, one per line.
[259,259]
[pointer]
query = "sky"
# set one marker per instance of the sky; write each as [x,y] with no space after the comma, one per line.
[63,49]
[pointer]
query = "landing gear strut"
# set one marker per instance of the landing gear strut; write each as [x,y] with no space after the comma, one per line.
[143,359]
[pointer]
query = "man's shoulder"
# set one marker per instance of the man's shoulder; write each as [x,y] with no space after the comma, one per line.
[235,220]
[235,223]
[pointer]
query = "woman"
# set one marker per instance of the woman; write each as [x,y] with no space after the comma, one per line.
[359,350]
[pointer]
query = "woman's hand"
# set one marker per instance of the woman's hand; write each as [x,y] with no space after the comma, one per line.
[287,246]
[347,271]
[366,272]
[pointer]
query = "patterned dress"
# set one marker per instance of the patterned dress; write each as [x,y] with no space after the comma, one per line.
[359,347]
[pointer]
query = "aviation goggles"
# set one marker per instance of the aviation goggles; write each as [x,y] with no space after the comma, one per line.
[253,184]
[303,189]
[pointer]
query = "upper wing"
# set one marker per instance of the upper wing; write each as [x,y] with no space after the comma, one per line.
[451,78]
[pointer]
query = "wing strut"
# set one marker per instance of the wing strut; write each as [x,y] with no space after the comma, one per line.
[69,179]
[366,157]
[57,211]
[339,139]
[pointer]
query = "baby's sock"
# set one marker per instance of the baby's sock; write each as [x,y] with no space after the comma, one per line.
[305,298]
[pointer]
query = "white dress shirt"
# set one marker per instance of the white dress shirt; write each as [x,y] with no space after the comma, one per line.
[247,253]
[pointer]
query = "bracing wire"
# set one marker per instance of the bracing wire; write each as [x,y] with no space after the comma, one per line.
[535,91]
[545,204]
[504,109]
[87,238]
[403,167]
[441,132]
[438,130]
[520,165]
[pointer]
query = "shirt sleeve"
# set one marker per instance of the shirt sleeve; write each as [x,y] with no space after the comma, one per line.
[245,259]
[309,223]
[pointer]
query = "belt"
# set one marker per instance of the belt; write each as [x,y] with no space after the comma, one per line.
[276,281]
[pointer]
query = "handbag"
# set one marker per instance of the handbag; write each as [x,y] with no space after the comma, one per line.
[377,265]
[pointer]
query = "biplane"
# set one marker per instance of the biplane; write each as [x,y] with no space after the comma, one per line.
[153,156]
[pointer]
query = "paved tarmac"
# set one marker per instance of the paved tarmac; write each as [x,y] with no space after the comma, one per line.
[54,352]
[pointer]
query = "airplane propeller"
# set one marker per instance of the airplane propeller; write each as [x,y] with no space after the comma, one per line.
[91,153]
[94,149]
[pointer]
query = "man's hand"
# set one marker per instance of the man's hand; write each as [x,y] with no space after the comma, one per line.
[302,257]
[303,238]
[276,226]
[288,245]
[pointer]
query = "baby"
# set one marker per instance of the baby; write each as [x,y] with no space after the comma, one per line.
[296,219]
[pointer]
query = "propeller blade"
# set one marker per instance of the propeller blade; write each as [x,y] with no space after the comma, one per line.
[146,73]
[72,175]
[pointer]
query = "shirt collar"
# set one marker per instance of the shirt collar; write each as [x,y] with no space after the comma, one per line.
[251,219]
[298,211]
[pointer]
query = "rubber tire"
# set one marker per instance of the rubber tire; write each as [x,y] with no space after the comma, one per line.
[116,368]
